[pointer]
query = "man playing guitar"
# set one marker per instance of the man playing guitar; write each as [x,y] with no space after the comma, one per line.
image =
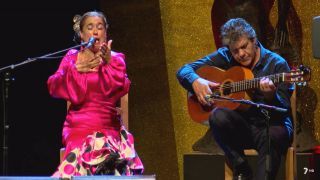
[236,129]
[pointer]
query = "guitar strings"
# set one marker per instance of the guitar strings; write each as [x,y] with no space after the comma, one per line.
[251,82]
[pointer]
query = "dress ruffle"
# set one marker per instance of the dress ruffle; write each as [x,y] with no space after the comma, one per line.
[102,154]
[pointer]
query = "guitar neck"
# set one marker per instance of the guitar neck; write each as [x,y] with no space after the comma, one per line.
[254,83]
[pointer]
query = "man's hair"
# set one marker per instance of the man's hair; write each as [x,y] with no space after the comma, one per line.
[235,28]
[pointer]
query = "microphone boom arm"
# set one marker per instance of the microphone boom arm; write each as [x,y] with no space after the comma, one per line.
[244,101]
[47,56]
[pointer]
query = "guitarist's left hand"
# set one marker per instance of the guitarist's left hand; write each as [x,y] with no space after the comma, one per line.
[267,87]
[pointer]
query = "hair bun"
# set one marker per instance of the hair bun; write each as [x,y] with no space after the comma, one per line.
[76,23]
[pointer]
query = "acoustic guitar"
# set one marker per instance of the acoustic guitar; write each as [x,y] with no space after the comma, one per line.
[235,83]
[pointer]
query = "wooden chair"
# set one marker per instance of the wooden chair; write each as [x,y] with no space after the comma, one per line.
[123,110]
[290,164]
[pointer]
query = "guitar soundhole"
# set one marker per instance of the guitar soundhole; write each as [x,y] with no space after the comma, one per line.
[226,88]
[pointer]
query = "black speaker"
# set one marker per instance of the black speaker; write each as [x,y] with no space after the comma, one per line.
[308,166]
[203,166]
[316,37]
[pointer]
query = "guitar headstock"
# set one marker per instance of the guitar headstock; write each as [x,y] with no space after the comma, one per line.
[300,75]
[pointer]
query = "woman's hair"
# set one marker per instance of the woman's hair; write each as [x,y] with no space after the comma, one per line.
[79,20]
[233,29]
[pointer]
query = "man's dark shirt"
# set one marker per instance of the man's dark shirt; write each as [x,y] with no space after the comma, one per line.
[268,64]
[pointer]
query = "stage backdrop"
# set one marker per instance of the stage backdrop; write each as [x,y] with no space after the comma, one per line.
[188,36]
[157,38]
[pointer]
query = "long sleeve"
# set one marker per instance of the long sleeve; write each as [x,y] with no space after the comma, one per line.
[187,73]
[284,90]
[114,76]
[67,83]
[272,64]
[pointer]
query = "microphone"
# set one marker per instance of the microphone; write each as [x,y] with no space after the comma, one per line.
[91,41]
[215,95]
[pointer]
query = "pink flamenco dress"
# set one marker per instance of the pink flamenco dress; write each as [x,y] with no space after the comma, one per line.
[96,142]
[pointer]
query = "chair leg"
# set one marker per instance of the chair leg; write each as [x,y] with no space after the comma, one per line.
[62,151]
[227,172]
[291,164]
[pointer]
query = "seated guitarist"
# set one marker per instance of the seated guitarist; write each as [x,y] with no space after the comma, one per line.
[235,129]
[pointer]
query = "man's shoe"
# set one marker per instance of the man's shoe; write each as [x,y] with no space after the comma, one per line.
[242,172]
[242,177]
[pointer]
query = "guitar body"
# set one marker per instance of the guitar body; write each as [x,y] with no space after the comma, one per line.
[200,113]
[235,83]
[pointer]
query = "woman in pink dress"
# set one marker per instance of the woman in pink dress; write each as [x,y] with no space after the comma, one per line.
[93,79]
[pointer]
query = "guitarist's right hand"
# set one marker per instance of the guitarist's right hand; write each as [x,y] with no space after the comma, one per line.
[202,87]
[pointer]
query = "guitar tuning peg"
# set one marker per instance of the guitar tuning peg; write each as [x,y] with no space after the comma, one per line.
[304,83]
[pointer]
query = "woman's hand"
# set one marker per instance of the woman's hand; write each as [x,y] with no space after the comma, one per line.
[87,61]
[105,51]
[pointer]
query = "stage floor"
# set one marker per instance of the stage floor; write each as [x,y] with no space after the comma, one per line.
[146,177]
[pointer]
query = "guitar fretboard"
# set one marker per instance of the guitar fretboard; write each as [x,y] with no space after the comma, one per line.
[253,83]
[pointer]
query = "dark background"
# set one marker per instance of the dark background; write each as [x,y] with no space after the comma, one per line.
[31,29]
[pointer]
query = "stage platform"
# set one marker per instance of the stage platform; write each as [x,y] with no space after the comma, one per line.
[145,177]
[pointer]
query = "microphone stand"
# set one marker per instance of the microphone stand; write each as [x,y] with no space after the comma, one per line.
[6,80]
[264,109]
